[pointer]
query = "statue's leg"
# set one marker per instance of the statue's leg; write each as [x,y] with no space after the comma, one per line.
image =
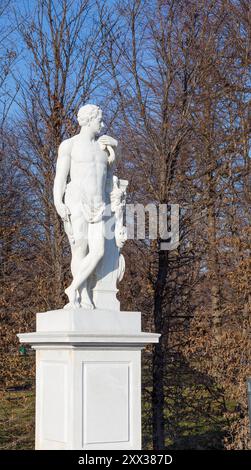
[84,297]
[79,249]
[96,244]
[78,252]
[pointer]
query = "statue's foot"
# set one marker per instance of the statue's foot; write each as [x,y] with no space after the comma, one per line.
[87,305]
[73,298]
[72,306]
[67,306]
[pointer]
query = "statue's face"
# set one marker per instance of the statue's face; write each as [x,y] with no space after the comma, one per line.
[97,124]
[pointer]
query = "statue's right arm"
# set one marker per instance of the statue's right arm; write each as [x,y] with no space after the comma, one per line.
[62,172]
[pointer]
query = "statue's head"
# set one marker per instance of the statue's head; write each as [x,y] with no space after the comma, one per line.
[90,115]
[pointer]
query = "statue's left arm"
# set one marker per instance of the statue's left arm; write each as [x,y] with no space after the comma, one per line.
[106,141]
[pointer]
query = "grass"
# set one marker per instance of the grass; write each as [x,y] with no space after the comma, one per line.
[194,410]
[186,427]
[17,416]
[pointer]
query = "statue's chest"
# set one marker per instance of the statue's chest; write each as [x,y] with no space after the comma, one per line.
[88,154]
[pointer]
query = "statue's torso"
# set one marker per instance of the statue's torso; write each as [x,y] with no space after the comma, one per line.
[88,169]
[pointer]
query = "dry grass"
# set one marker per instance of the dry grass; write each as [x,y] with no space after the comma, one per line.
[17,413]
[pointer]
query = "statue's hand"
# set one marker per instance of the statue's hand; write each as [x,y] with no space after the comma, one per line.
[63,211]
[105,140]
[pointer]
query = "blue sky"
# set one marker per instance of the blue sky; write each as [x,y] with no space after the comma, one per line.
[12,42]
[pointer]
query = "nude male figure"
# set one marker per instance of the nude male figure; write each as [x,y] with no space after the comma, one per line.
[81,202]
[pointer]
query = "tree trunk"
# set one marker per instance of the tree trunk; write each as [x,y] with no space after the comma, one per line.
[158,397]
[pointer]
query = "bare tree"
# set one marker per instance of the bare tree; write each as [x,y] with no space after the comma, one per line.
[174,77]
[63,46]
[8,58]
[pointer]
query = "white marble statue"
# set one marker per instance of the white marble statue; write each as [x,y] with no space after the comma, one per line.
[84,187]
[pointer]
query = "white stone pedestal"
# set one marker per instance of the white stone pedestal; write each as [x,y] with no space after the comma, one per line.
[88,379]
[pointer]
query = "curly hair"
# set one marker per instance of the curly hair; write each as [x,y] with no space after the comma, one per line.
[87,113]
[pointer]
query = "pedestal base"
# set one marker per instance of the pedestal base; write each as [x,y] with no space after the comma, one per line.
[88,383]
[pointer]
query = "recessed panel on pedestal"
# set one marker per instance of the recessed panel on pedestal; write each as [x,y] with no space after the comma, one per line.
[106,402]
[54,401]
